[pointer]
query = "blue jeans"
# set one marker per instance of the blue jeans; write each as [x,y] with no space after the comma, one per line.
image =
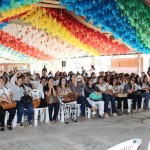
[83,101]
[20,111]
[107,98]
[147,97]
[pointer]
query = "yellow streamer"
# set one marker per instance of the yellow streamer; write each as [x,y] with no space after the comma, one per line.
[40,19]
[14,12]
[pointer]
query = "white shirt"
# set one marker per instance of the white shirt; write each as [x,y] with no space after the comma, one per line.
[137,87]
[4,92]
[40,87]
[145,86]
[102,88]
[115,89]
[35,83]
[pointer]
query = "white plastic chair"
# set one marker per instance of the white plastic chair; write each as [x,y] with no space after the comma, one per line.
[42,112]
[142,103]
[132,144]
[148,146]
[61,110]
[129,105]
[37,94]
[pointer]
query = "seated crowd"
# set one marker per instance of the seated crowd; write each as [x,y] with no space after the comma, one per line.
[94,92]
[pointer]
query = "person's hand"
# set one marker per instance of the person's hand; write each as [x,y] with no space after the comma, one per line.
[8,100]
[106,92]
[28,92]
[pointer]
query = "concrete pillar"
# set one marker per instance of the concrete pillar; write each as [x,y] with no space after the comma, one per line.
[139,63]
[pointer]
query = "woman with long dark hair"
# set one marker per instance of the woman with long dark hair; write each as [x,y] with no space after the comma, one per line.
[50,90]
[146,88]
[91,88]
[106,96]
[78,88]
[116,90]
[62,90]
[130,89]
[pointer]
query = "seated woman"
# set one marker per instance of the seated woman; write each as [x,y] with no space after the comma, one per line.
[106,96]
[62,90]
[18,92]
[129,89]
[50,90]
[77,87]
[90,88]
[116,90]
[146,88]
[40,87]
[5,96]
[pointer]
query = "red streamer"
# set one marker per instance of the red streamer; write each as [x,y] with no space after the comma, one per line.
[87,35]
[16,44]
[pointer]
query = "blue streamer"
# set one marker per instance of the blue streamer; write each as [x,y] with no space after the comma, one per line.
[3,25]
[108,16]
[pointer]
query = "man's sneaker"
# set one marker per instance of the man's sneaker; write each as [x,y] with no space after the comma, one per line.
[30,124]
[20,125]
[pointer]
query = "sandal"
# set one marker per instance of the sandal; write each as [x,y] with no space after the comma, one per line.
[9,127]
[1,128]
[106,115]
[114,114]
[126,111]
[119,113]
[94,109]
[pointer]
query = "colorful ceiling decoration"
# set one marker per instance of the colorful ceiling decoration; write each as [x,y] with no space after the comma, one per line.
[16,44]
[94,39]
[110,18]
[7,5]
[138,17]
[39,18]
[9,53]
[43,41]
[47,33]
[14,13]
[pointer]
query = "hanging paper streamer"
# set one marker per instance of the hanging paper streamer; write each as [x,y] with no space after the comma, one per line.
[16,44]
[43,41]
[40,19]
[7,5]
[8,19]
[106,14]
[14,55]
[3,25]
[88,36]
[138,17]
[14,12]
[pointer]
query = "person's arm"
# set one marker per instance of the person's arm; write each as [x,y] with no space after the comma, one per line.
[58,91]
[54,92]
[14,78]
[130,91]
[86,90]
[8,100]
[47,92]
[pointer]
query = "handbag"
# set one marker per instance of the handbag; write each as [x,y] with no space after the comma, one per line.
[26,99]
[70,97]
[5,105]
[36,103]
[51,99]
[94,96]
[121,95]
